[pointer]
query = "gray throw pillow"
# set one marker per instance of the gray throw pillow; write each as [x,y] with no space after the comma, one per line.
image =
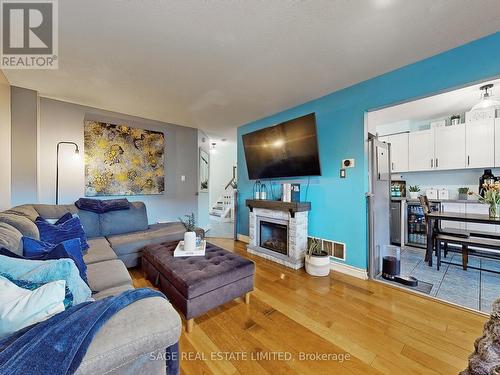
[22,224]
[26,210]
[10,238]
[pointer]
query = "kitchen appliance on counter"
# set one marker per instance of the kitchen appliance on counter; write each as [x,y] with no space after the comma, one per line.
[416,226]
[486,179]
[398,189]
[443,194]
[431,193]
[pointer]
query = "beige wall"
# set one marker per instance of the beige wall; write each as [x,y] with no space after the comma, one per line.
[24,145]
[5,130]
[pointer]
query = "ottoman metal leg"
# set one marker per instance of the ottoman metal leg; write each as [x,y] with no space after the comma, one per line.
[189,325]
[247,298]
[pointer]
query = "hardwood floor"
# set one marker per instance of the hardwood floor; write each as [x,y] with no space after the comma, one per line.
[292,315]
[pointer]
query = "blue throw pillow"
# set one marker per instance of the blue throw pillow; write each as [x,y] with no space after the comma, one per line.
[57,233]
[39,250]
[30,285]
[64,218]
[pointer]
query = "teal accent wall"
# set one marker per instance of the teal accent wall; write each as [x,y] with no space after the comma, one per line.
[339,210]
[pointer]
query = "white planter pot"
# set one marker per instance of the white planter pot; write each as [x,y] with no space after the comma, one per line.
[414,194]
[189,241]
[317,265]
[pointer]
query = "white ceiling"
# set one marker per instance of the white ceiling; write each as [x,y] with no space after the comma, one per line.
[432,107]
[218,64]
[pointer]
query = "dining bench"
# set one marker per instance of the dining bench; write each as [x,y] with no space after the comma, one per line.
[486,244]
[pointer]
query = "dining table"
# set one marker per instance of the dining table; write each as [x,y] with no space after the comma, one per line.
[434,219]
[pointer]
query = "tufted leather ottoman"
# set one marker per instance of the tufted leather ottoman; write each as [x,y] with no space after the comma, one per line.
[195,285]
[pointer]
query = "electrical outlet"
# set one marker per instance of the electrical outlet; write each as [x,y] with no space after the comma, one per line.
[348,163]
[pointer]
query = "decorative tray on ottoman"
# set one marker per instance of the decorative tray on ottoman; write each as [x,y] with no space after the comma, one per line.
[198,250]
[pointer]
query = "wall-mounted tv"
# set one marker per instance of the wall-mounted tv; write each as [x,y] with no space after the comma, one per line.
[289,149]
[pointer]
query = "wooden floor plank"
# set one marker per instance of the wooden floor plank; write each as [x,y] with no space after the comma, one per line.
[384,329]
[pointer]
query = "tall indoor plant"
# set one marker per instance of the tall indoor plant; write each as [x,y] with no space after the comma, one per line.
[492,198]
[317,260]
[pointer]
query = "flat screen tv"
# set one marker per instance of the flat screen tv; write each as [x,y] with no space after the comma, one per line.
[289,149]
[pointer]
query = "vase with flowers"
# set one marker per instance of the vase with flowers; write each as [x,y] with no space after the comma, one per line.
[492,198]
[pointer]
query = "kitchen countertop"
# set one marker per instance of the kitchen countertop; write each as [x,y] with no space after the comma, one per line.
[399,199]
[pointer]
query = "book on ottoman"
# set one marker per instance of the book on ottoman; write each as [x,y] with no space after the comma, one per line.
[198,250]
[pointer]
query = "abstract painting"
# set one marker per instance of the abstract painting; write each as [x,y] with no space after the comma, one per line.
[121,160]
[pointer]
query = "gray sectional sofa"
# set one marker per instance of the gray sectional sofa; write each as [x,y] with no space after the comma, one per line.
[125,343]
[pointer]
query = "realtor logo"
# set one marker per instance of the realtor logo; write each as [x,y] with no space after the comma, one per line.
[29,34]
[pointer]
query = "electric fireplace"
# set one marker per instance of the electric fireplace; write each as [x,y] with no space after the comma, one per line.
[274,236]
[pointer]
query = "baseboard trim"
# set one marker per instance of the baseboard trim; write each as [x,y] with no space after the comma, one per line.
[349,270]
[243,238]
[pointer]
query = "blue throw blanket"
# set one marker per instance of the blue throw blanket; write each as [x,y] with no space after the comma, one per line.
[57,346]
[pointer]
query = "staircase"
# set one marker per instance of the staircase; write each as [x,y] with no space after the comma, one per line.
[223,210]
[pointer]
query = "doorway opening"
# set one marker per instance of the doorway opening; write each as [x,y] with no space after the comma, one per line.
[223,189]
[441,148]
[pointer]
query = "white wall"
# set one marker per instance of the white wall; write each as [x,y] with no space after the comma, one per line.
[61,121]
[5,132]
[222,160]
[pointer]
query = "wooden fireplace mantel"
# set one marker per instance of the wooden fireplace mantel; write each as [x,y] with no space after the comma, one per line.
[291,207]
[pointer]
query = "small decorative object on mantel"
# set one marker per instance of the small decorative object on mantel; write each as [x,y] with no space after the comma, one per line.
[317,261]
[263,191]
[492,198]
[463,193]
[190,235]
[414,190]
[256,189]
[286,195]
[295,193]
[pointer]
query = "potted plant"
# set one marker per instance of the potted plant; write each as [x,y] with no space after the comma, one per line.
[190,235]
[492,198]
[463,193]
[317,260]
[414,190]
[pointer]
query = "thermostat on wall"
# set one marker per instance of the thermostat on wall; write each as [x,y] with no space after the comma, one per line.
[348,163]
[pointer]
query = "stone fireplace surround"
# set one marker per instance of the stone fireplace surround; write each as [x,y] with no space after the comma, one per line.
[294,215]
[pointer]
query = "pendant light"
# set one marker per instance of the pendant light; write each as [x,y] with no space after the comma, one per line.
[487,100]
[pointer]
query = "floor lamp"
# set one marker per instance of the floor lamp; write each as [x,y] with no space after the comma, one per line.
[77,152]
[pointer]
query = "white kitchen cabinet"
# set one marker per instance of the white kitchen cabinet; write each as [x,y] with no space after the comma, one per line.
[399,151]
[480,143]
[478,208]
[458,208]
[421,150]
[449,147]
[497,144]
